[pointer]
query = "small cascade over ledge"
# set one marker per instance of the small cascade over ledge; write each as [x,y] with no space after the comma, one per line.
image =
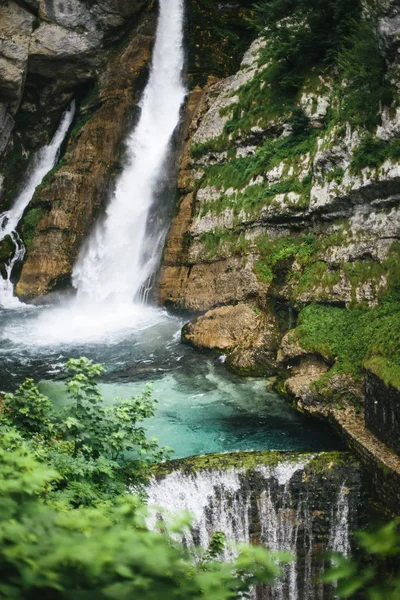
[306,504]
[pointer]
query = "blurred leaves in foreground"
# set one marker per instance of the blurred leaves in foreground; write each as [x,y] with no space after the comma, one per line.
[375,574]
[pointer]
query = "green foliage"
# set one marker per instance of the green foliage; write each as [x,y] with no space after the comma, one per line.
[28,410]
[276,256]
[68,528]
[362,70]
[29,224]
[80,123]
[98,450]
[336,175]
[105,552]
[256,197]
[239,171]
[354,337]
[316,274]
[372,575]
[264,272]
[218,36]
[7,249]
[302,34]
[372,152]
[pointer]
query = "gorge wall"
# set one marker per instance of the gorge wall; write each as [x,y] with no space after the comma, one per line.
[97,53]
[285,239]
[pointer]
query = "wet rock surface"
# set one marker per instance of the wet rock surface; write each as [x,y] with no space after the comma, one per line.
[382,411]
[78,189]
[247,337]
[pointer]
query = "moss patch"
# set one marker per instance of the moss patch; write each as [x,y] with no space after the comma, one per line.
[372,152]
[29,224]
[7,249]
[248,461]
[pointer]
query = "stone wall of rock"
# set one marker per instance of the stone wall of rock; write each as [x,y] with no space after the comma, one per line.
[382,411]
[308,227]
[97,53]
[48,50]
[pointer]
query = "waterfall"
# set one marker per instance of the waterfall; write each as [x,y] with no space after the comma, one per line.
[43,162]
[115,264]
[340,534]
[121,255]
[296,504]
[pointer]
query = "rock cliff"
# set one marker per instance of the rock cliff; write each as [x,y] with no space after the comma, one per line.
[48,49]
[288,202]
[97,53]
[289,205]
[67,203]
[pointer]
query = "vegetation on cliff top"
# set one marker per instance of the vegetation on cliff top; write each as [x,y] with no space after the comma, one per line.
[218,36]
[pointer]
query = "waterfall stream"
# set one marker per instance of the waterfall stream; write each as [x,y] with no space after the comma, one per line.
[115,264]
[43,162]
[304,504]
[122,254]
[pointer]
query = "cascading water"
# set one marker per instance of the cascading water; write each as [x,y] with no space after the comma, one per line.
[121,254]
[44,161]
[114,265]
[299,504]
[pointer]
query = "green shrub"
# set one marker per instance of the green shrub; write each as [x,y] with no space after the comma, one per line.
[106,552]
[372,152]
[302,34]
[362,70]
[70,526]
[98,450]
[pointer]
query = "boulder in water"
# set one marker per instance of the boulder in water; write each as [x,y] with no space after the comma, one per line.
[248,337]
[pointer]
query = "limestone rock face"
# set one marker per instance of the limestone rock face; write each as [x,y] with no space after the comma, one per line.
[16,26]
[73,34]
[248,338]
[311,226]
[48,48]
[77,191]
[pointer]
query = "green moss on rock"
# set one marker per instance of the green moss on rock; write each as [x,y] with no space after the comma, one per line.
[29,224]
[248,461]
[7,249]
[355,338]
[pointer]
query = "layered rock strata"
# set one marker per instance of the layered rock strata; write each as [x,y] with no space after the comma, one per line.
[251,222]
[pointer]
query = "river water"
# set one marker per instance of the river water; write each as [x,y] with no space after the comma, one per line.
[201,408]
